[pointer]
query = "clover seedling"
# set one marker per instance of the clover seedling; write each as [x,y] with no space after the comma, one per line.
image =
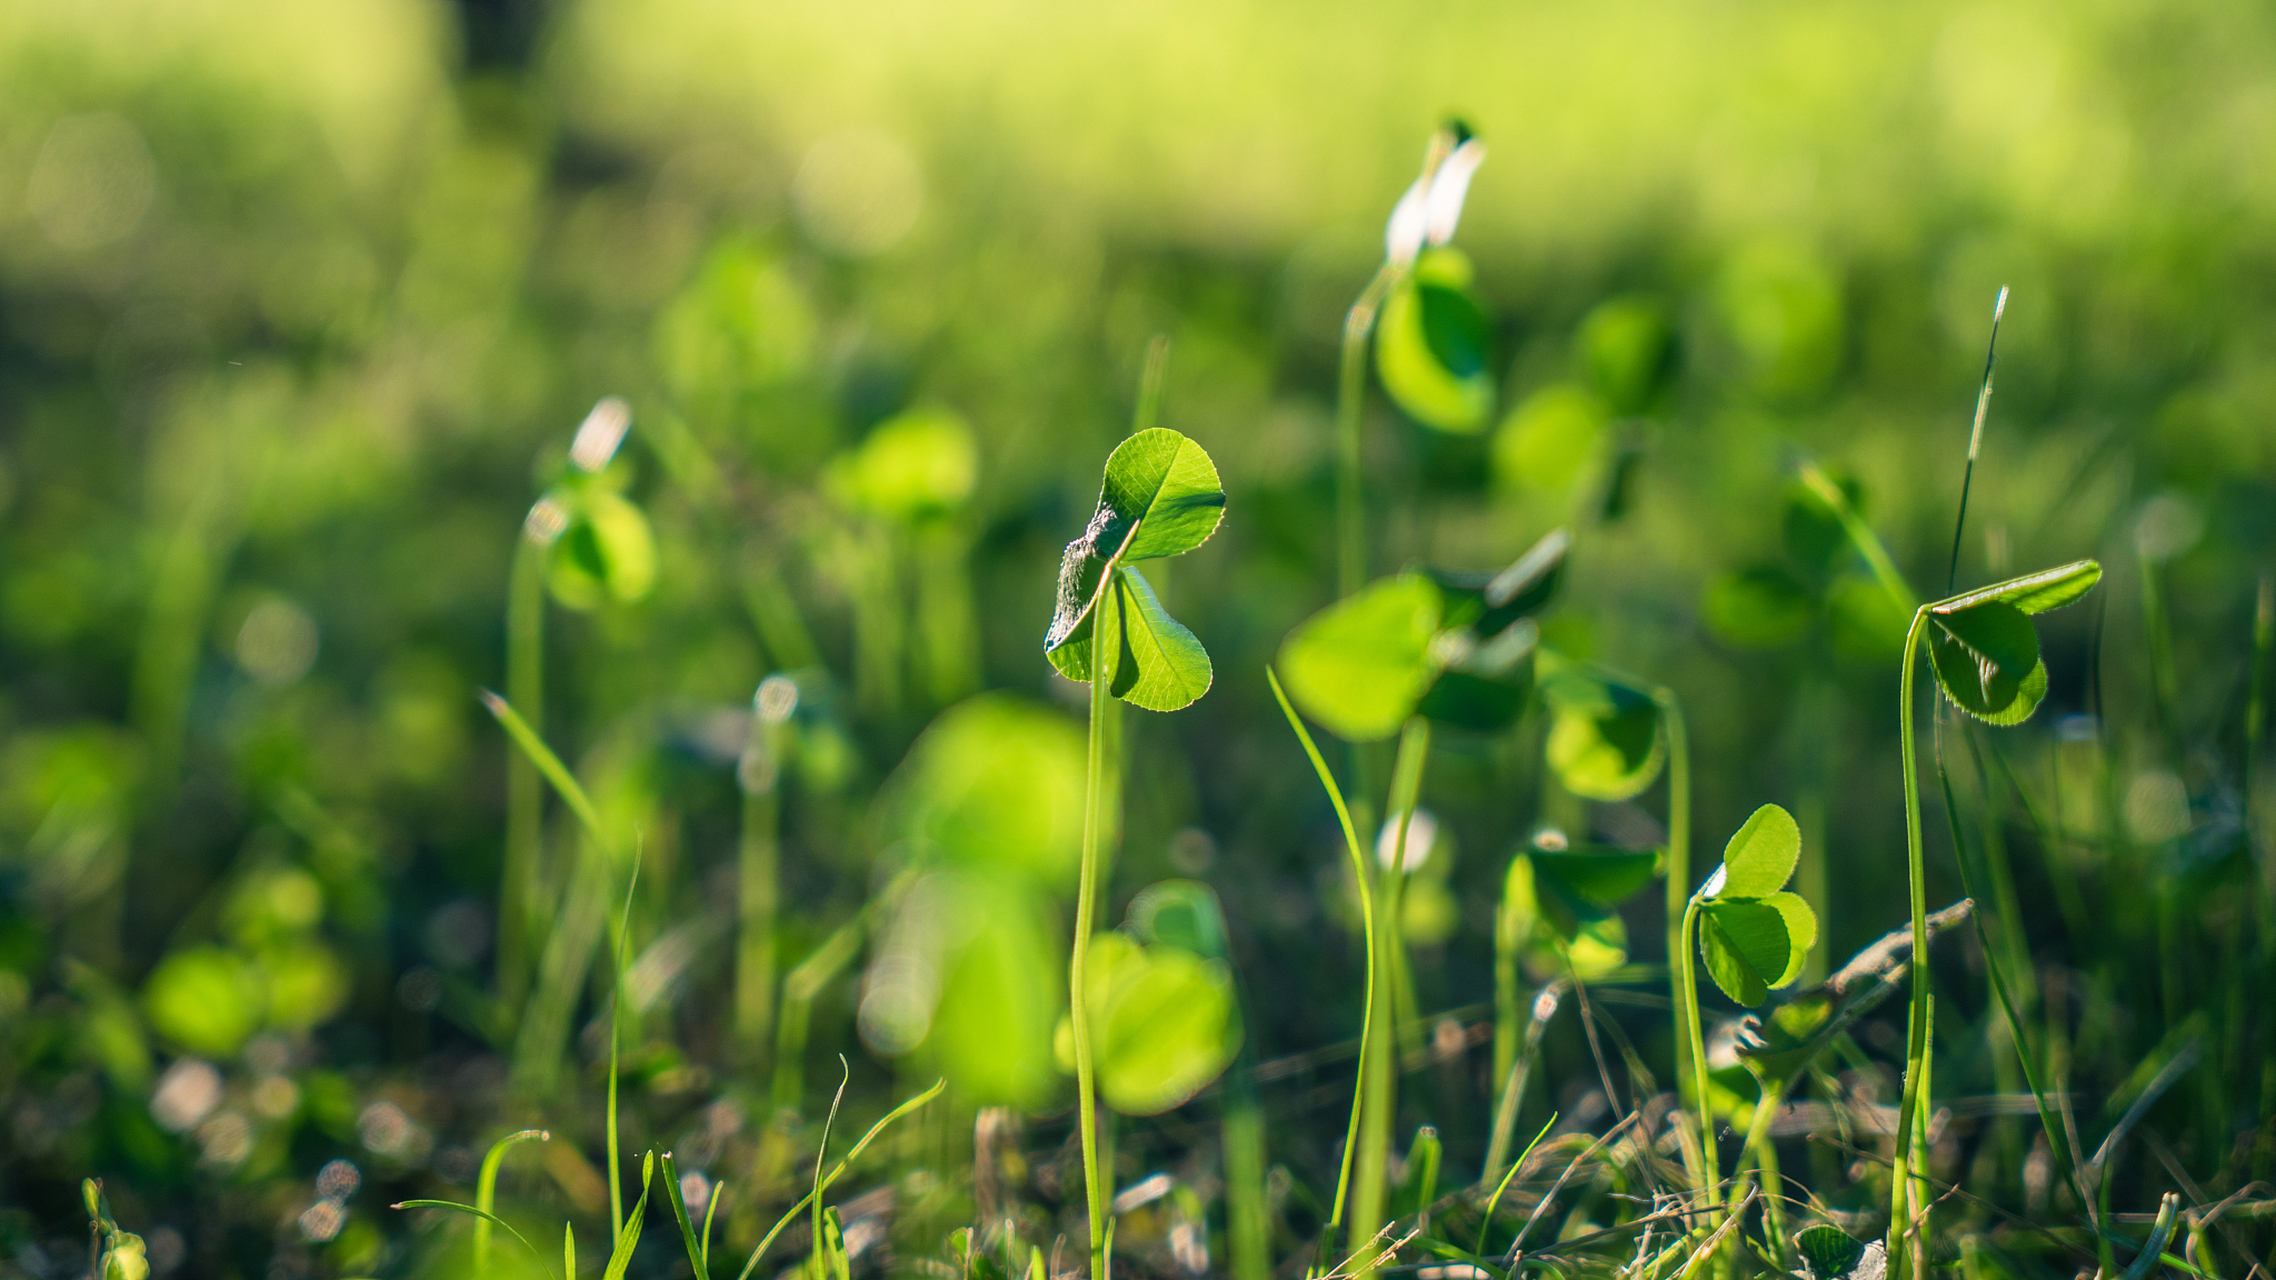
[1752,934]
[1569,896]
[1430,346]
[1985,649]
[1454,648]
[1160,497]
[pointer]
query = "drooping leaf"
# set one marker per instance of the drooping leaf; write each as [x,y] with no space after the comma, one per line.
[1430,345]
[1161,665]
[1605,740]
[1981,655]
[1361,665]
[1761,855]
[1759,607]
[2028,695]
[1160,497]
[2032,593]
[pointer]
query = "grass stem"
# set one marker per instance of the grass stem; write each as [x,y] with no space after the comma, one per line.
[1351,406]
[525,791]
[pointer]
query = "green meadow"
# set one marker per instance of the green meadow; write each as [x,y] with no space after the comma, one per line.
[689,638]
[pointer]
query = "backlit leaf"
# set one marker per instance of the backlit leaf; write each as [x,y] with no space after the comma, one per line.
[1981,656]
[1161,665]
[1160,497]
[1360,666]
[1602,877]
[1163,1023]
[1760,857]
[1430,345]
[1604,740]
[1547,439]
[606,553]
[2033,592]
[1745,945]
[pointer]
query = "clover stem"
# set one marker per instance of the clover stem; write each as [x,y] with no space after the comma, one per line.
[1687,999]
[1678,853]
[1916,1035]
[525,792]
[1379,1083]
[1766,1159]
[1104,657]
[1351,402]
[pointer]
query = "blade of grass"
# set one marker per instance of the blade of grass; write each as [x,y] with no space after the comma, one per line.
[486,1189]
[616,1020]
[844,1162]
[680,1217]
[549,764]
[1367,923]
[455,1207]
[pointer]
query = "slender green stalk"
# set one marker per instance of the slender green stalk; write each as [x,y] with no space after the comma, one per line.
[1367,923]
[1248,1220]
[616,1028]
[525,791]
[2255,724]
[1764,1149]
[1105,657]
[1379,1086]
[1861,535]
[1975,440]
[1679,873]
[1916,1035]
[1351,405]
[1687,1001]
[758,891]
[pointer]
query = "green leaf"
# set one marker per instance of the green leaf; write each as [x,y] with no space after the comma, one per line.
[1761,855]
[1761,607]
[1161,497]
[1183,914]
[1598,876]
[1163,1024]
[1605,740]
[1488,603]
[1828,1252]
[1544,443]
[1361,665]
[1801,934]
[1981,655]
[2028,695]
[1430,345]
[918,465]
[1744,943]
[1627,350]
[1484,687]
[2033,592]
[620,1258]
[830,1252]
[1161,665]
[606,553]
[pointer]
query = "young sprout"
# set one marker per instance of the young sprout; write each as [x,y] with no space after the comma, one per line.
[1752,935]
[1159,497]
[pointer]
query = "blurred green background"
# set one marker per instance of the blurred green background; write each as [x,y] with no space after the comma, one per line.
[301,303]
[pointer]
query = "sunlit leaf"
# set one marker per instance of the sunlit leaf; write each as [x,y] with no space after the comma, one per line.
[1488,603]
[1361,665]
[1760,607]
[995,781]
[1829,1253]
[1761,855]
[1161,667]
[1546,440]
[2033,592]
[1981,656]
[1163,1023]
[1745,944]
[918,465]
[1160,497]
[1605,740]
[1430,345]
[607,553]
